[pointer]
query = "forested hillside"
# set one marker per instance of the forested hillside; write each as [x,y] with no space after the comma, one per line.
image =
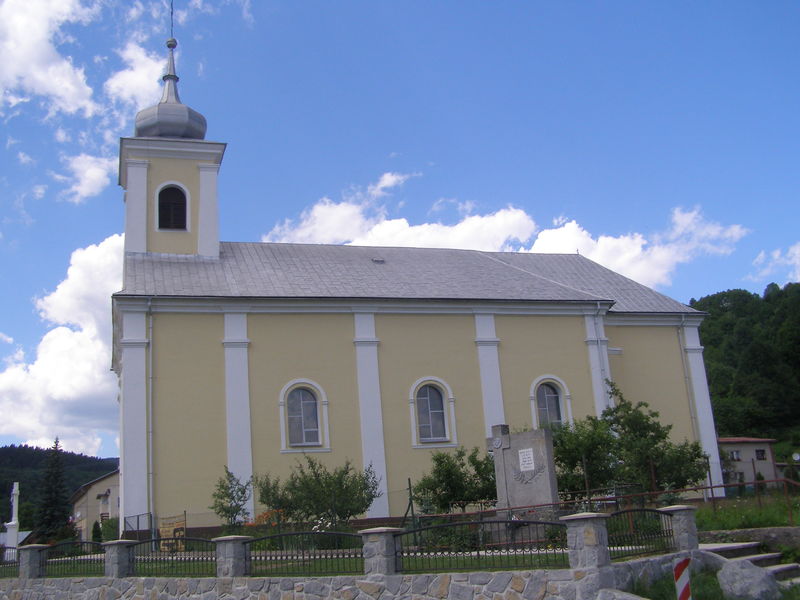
[26,464]
[752,354]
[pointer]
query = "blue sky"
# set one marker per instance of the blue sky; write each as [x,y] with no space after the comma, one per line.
[660,139]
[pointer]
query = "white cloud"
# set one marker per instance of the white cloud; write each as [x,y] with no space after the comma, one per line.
[30,63]
[7,339]
[39,191]
[90,175]
[24,158]
[386,182]
[649,262]
[62,135]
[770,263]
[358,220]
[137,85]
[67,389]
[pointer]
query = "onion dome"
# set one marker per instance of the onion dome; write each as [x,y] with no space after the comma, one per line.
[170,118]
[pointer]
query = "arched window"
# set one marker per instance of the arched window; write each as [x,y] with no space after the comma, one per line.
[432,412]
[548,405]
[551,402]
[172,208]
[302,416]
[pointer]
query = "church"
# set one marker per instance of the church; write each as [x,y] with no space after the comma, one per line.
[250,355]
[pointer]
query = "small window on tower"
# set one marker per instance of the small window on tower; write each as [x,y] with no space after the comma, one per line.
[172,208]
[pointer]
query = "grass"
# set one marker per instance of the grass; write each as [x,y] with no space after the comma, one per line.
[704,587]
[745,513]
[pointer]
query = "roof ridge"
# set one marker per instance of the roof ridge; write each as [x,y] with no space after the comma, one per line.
[491,255]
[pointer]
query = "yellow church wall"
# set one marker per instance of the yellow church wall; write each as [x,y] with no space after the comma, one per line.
[533,346]
[651,369]
[416,346]
[189,447]
[186,173]
[316,347]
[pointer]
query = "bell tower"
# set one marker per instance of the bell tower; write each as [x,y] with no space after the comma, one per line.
[169,173]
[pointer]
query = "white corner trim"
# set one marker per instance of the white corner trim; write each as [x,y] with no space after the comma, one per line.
[237,400]
[133,416]
[599,368]
[450,431]
[370,411]
[702,399]
[135,172]
[208,212]
[564,398]
[489,368]
[322,416]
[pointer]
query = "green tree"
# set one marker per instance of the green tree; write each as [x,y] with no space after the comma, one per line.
[627,444]
[97,532]
[313,492]
[457,479]
[582,457]
[230,498]
[110,529]
[53,508]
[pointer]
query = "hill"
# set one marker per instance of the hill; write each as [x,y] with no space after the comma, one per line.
[26,464]
[752,355]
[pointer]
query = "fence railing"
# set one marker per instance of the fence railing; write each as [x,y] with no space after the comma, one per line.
[483,545]
[305,553]
[577,541]
[638,532]
[74,559]
[10,567]
[176,557]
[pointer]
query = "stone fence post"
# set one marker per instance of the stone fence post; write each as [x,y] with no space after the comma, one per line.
[119,558]
[587,540]
[232,555]
[31,561]
[380,550]
[684,528]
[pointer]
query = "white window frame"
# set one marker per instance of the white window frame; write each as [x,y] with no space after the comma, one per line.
[449,403]
[180,186]
[322,417]
[564,399]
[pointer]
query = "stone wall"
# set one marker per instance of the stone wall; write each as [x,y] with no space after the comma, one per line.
[772,537]
[590,573]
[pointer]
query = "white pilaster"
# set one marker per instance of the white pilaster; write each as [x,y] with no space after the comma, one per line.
[208,227]
[702,399]
[370,412]
[133,491]
[136,205]
[237,400]
[489,368]
[597,346]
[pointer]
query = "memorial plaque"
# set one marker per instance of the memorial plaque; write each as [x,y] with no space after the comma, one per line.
[526,460]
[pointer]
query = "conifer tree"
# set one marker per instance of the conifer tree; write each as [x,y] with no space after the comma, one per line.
[53,509]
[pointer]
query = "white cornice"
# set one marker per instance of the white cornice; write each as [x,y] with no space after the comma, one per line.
[146,148]
[654,319]
[199,304]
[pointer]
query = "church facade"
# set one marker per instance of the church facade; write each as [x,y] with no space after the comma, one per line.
[250,355]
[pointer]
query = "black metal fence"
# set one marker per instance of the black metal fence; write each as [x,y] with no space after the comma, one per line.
[639,532]
[10,567]
[175,557]
[309,553]
[483,545]
[74,559]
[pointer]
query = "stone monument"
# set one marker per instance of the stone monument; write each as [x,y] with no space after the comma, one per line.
[12,528]
[523,467]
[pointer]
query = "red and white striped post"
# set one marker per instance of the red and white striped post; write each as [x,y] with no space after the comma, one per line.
[680,569]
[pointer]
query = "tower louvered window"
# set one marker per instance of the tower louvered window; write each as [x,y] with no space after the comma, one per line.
[172,208]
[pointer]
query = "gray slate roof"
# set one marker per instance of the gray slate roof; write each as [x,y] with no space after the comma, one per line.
[312,271]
